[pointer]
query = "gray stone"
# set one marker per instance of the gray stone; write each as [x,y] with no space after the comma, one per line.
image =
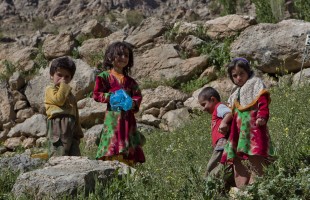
[64,176]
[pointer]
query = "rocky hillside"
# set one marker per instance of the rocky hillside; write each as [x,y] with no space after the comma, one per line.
[180,46]
[19,17]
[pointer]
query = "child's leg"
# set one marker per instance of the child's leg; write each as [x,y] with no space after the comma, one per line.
[75,148]
[257,167]
[61,135]
[56,149]
[241,173]
[214,167]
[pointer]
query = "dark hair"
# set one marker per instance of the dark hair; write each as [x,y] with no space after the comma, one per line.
[208,92]
[240,62]
[117,49]
[63,62]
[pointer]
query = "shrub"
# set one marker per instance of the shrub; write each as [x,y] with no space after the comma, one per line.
[264,11]
[172,32]
[134,17]
[7,180]
[111,16]
[193,84]
[9,69]
[38,23]
[218,52]
[302,9]
[229,6]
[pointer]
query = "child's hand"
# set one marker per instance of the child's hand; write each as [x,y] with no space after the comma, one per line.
[223,128]
[260,121]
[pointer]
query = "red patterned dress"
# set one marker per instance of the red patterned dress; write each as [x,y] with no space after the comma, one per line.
[119,139]
[248,103]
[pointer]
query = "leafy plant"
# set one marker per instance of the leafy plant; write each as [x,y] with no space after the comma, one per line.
[172,32]
[111,16]
[134,17]
[7,180]
[96,59]
[193,84]
[229,6]
[9,69]
[38,23]
[218,52]
[264,11]
[302,9]
[75,53]
[147,83]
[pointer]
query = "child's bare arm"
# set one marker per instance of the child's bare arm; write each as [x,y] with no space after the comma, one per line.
[224,126]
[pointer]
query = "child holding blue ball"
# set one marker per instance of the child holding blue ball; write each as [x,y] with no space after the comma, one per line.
[119,139]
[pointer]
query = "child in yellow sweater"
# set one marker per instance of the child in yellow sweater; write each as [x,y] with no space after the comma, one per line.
[64,129]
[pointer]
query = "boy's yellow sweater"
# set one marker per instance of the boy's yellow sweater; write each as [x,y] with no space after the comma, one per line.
[59,100]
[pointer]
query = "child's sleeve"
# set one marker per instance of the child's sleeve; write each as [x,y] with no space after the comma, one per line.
[136,96]
[222,110]
[58,96]
[101,90]
[263,109]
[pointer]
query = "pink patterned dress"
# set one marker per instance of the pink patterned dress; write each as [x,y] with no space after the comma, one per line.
[119,138]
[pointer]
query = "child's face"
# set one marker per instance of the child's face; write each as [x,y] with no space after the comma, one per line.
[208,105]
[61,75]
[239,75]
[121,60]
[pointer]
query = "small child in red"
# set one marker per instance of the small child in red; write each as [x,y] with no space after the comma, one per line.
[210,100]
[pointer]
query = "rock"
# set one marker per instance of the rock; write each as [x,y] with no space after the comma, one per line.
[64,176]
[160,96]
[58,45]
[13,142]
[41,142]
[94,29]
[23,114]
[21,104]
[169,67]
[91,135]
[32,127]
[91,112]
[150,120]
[149,29]
[6,105]
[175,119]
[4,135]
[21,162]
[227,26]
[28,143]
[16,81]
[301,78]
[152,111]
[273,48]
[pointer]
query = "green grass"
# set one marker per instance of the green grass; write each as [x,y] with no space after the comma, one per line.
[176,161]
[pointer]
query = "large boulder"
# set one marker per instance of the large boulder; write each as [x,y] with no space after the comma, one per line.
[149,29]
[58,45]
[65,176]
[160,97]
[274,48]
[227,26]
[164,63]
[31,127]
